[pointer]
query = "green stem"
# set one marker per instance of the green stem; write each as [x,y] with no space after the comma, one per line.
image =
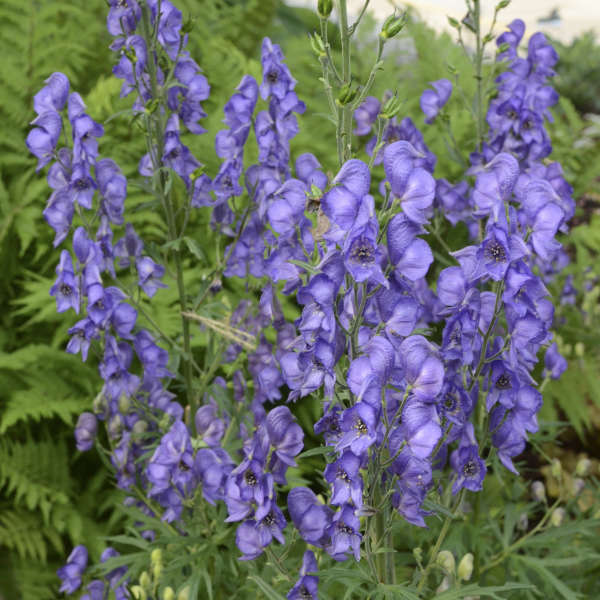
[345,112]
[438,544]
[478,73]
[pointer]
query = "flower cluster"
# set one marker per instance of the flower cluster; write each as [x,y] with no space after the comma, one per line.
[400,406]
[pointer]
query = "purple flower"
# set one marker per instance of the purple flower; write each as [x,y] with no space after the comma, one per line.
[42,139]
[85,431]
[306,587]
[359,424]
[343,474]
[310,517]
[208,426]
[467,464]
[285,435]
[71,573]
[365,115]
[149,275]
[432,101]
[344,532]
[66,287]
[277,79]
[53,96]
[555,364]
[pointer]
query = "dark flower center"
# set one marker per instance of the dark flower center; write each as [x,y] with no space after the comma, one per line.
[269,519]
[183,466]
[65,289]
[450,403]
[100,304]
[345,528]
[503,382]
[174,153]
[470,469]
[122,4]
[272,77]
[495,251]
[511,114]
[313,204]
[527,124]
[227,182]
[361,427]
[304,593]
[363,252]
[250,478]
[341,474]
[81,184]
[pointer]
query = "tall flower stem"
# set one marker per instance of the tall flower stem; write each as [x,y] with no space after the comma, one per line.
[156,126]
[479,47]
[344,133]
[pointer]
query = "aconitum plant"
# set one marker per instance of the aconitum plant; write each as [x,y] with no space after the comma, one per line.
[425,370]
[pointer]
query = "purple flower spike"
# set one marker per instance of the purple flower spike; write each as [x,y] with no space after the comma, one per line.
[432,101]
[85,431]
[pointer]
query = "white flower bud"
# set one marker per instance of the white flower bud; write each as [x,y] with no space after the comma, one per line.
[538,491]
[446,560]
[584,466]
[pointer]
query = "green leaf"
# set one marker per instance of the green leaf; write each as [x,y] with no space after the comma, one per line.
[269,592]
[539,565]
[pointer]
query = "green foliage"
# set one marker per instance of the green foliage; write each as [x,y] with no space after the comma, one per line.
[579,72]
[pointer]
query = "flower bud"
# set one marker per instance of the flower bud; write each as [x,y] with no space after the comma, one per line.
[124,404]
[444,586]
[346,95]
[145,580]
[465,567]
[138,592]
[577,486]
[453,23]
[392,107]
[100,406]
[139,427]
[558,516]
[168,593]
[579,349]
[523,522]
[445,559]
[156,562]
[392,26]
[317,45]
[184,594]
[115,426]
[324,8]
[85,431]
[583,467]
[502,4]
[538,491]
[556,469]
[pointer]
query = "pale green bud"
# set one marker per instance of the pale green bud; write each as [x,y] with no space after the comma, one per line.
[465,567]
[138,592]
[579,349]
[168,593]
[139,427]
[583,467]
[556,468]
[184,594]
[392,26]
[324,8]
[145,580]
[557,517]
[124,404]
[446,560]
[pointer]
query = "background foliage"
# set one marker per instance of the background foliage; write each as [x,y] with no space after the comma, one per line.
[52,497]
